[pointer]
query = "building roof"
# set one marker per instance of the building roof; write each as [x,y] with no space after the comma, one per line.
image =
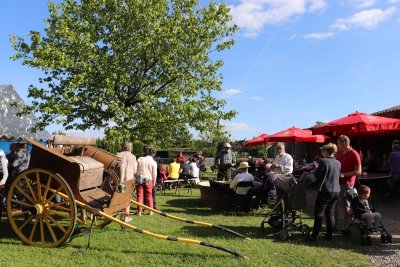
[381,112]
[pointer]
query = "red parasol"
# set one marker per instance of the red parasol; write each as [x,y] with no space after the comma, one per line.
[294,134]
[358,123]
[256,141]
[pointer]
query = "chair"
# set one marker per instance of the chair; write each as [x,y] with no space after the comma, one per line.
[244,199]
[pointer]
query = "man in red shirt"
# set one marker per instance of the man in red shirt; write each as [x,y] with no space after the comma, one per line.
[350,167]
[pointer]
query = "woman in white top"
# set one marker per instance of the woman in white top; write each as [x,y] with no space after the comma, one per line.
[146,176]
[194,170]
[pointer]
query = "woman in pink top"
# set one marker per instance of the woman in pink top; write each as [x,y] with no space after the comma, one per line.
[146,176]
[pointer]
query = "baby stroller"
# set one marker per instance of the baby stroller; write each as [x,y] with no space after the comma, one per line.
[286,215]
[365,233]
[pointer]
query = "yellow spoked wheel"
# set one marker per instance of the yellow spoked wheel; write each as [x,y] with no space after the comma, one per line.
[88,218]
[37,211]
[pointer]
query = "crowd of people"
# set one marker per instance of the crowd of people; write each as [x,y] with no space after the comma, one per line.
[148,173]
[335,173]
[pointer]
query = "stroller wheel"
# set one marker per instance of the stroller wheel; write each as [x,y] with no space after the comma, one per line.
[284,234]
[305,230]
[389,238]
[383,239]
[262,227]
[369,241]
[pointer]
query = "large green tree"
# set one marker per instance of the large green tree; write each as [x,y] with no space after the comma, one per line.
[144,69]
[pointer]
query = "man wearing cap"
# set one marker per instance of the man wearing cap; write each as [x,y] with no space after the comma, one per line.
[224,162]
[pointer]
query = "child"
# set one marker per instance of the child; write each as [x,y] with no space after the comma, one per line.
[363,209]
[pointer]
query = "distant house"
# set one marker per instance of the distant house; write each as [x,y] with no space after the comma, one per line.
[393,112]
[13,127]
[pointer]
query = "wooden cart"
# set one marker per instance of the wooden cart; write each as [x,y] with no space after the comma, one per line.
[75,182]
[45,202]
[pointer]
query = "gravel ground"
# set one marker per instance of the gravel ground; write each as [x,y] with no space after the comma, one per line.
[387,254]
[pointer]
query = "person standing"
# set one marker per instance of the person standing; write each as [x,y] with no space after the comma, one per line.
[327,178]
[350,161]
[394,164]
[4,166]
[224,162]
[19,163]
[146,177]
[283,162]
[128,169]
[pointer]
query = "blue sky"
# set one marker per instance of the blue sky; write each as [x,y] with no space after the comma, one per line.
[295,62]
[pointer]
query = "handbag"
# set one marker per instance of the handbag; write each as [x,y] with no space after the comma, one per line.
[143,180]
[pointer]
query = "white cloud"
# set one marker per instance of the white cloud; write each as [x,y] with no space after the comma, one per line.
[230,92]
[368,19]
[252,15]
[318,35]
[237,126]
[86,133]
[362,3]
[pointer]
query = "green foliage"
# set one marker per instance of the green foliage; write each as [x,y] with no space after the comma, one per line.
[255,151]
[319,123]
[145,69]
[114,140]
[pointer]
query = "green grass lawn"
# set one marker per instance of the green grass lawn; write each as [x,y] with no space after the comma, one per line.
[113,246]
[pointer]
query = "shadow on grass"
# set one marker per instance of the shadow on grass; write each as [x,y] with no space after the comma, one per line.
[6,230]
[82,250]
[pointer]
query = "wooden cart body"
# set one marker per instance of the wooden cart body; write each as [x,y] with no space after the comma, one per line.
[97,187]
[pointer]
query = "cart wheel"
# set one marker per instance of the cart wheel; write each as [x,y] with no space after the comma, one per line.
[305,230]
[383,238]
[284,234]
[86,218]
[389,238]
[37,213]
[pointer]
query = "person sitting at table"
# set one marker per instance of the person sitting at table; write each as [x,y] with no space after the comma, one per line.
[267,189]
[252,165]
[370,164]
[243,176]
[283,162]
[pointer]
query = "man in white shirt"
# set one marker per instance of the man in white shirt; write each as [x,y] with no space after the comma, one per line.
[283,162]
[242,176]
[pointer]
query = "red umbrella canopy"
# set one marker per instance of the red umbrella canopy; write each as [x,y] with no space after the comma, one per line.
[256,141]
[296,135]
[359,123]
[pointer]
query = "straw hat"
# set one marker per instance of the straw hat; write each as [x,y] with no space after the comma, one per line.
[243,165]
